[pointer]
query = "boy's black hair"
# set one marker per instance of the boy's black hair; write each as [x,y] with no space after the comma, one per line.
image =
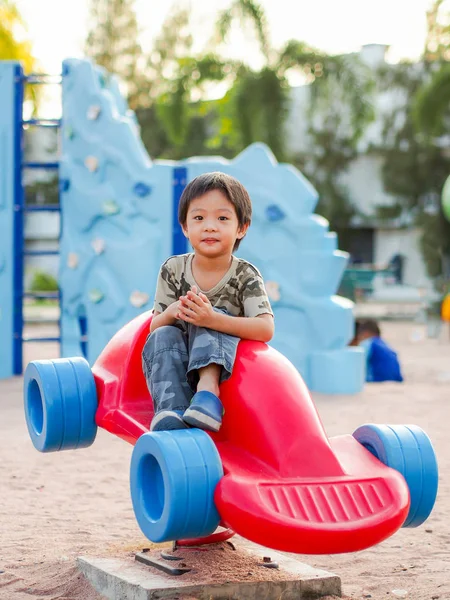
[369,326]
[234,191]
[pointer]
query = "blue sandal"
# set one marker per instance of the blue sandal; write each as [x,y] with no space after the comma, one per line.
[168,420]
[205,411]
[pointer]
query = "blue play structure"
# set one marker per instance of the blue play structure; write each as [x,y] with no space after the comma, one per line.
[119,224]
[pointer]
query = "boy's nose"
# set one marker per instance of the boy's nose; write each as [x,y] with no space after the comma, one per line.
[210,226]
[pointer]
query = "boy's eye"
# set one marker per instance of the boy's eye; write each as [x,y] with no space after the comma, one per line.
[198,218]
[223,218]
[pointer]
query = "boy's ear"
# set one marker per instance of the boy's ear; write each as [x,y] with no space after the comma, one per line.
[184,231]
[242,231]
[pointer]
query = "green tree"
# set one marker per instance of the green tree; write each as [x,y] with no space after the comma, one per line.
[437,41]
[172,116]
[112,43]
[431,116]
[247,13]
[258,102]
[431,107]
[176,121]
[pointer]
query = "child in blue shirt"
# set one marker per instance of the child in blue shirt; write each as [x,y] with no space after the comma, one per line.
[381,361]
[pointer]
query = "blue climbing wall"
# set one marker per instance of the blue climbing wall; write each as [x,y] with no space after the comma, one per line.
[7,189]
[117,213]
[118,227]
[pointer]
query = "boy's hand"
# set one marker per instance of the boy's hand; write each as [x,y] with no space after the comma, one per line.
[172,310]
[195,308]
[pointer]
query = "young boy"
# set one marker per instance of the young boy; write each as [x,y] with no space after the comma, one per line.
[205,302]
[381,360]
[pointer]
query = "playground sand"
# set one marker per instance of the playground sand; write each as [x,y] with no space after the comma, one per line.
[55,507]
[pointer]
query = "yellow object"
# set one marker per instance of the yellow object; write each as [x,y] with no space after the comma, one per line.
[445,308]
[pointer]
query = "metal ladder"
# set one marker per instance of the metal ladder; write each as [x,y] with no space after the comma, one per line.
[20,209]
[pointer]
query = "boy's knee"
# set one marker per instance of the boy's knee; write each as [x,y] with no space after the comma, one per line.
[167,336]
[166,332]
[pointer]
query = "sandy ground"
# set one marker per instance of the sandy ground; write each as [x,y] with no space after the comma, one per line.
[55,507]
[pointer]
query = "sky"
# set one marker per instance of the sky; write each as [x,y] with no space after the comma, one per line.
[57,28]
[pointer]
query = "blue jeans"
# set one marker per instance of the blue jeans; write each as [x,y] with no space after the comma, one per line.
[172,356]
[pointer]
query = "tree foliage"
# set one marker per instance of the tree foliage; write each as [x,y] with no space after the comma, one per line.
[112,43]
[415,167]
[258,100]
[246,13]
[437,41]
[431,105]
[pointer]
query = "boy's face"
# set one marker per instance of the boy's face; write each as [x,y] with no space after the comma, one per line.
[212,225]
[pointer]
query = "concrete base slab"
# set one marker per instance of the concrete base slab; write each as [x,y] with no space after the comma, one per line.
[126,579]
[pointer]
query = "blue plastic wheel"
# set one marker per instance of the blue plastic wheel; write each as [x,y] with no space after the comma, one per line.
[60,404]
[407,449]
[172,479]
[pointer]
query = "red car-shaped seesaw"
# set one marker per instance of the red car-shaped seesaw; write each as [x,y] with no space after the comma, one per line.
[270,473]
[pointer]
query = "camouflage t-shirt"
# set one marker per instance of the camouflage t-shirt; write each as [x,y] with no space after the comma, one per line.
[240,292]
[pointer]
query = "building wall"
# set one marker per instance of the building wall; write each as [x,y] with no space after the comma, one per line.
[364,183]
[405,242]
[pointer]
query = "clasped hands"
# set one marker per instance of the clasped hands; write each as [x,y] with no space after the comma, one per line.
[195,308]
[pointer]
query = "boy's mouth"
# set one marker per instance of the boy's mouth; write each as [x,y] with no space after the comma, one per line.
[210,240]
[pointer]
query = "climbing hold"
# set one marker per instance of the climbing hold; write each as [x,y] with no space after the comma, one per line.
[110,207]
[91,163]
[72,260]
[273,290]
[139,299]
[274,213]
[96,295]
[93,112]
[98,245]
[69,131]
[142,189]
[64,185]
[102,80]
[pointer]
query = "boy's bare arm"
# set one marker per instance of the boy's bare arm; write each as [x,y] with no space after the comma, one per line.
[168,317]
[259,328]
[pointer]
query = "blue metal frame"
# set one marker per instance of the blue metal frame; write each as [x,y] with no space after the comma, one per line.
[40,252]
[18,223]
[20,209]
[42,208]
[41,165]
[43,122]
[179,242]
[43,79]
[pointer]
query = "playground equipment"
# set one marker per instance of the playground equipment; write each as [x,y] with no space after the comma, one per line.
[119,224]
[270,473]
[13,211]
